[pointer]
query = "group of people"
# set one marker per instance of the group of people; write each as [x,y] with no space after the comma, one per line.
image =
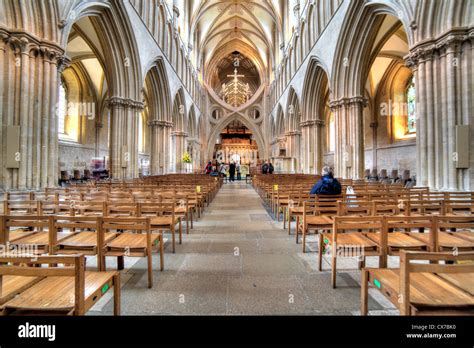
[267,168]
[327,185]
[220,169]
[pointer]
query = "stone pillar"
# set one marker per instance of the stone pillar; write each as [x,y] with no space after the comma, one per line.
[158,149]
[123,149]
[349,158]
[318,145]
[443,81]
[29,88]
[313,152]
[356,119]
[179,141]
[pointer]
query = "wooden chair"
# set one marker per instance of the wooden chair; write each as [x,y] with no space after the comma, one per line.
[402,232]
[21,207]
[317,216]
[86,237]
[455,233]
[19,196]
[134,239]
[350,235]
[55,208]
[296,210]
[67,290]
[88,208]
[425,289]
[458,207]
[34,233]
[182,209]
[162,218]
[122,209]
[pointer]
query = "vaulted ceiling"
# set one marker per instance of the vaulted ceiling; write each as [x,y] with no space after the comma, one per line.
[219,27]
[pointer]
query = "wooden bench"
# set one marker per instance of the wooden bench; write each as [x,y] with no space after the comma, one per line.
[316,216]
[134,239]
[67,290]
[162,218]
[424,289]
[351,234]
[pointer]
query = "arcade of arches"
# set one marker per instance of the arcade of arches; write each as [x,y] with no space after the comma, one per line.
[131,86]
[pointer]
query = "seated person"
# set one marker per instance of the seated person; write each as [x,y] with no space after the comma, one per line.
[327,185]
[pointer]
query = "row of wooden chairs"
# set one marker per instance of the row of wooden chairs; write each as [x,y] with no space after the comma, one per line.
[163,215]
[87,235]
[386,235]
[319,215]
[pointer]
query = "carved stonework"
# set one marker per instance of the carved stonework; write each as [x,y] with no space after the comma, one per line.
[312,123]
[451,40]
[124,102]
[160,123]
[345,102]
[179,134]
[292,133]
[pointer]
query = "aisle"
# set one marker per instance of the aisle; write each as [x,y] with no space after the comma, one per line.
[237,260]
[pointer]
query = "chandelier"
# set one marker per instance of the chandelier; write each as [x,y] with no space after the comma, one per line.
[235,92]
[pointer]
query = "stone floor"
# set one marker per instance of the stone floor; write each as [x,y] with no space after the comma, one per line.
[238,260]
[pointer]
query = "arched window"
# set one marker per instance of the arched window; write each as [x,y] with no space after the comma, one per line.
[411,101]
[255,114]
[332,134]
[216,114]
[141,142]
[62,109]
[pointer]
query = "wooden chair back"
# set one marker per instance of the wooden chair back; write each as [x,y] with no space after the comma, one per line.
[73,266]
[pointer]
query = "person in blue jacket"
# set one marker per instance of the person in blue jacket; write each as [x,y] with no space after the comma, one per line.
[327,185]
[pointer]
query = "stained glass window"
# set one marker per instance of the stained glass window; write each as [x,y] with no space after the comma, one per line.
[411,101]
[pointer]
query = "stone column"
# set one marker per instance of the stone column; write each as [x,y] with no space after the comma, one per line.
[179,140]
[356,119]
[318,145]
[123,149]
[29,90]
[349,157]
[159,140]
[313,152]
[443,82]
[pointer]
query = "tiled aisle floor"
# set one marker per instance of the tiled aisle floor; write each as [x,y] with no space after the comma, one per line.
[238,260]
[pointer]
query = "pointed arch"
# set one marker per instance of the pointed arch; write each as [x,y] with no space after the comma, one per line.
[293,111]
[316,87]
[179,115]
[157,90]
[256,132]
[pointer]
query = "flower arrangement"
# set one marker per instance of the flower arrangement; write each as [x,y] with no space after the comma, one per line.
[186,158]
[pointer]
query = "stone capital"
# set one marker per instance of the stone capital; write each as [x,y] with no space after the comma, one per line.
[348,101]
[125,103]
[449,42]
[160,123]
[179,134]
[312,123]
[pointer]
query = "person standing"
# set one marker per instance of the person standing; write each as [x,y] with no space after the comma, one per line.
[270,168]
[237,168]
[222,170]
[232,171]
[265,167]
